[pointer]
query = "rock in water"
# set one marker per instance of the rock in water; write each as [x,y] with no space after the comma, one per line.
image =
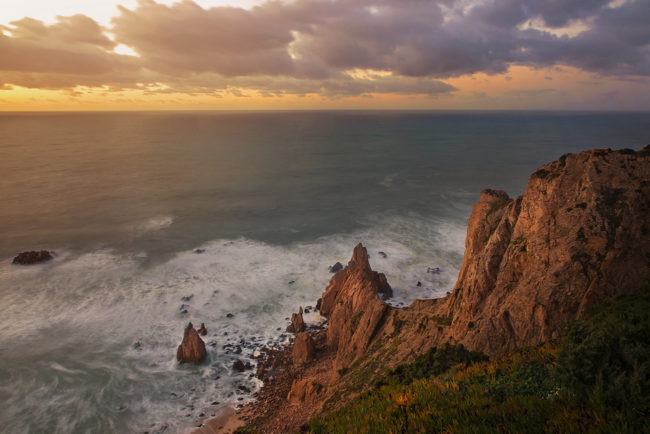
[192,349]
[297,322]
[303,349]
[336,267]
[239,366]
[202,330]
[32,257]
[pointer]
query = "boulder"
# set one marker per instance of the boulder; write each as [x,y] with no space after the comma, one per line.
[303,350]
[192,349]
[239,366]
[336,267]
[32,257]
[261,371]
[203,331]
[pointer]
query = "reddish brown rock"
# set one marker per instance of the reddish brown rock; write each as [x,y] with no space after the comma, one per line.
[32,257]
[192,349]
[261,371]
[304,390]
[303,350]
[578,234]
[202,330]
[353,305]
[297,323]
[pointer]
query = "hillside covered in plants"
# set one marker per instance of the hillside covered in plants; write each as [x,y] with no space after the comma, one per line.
[596,378]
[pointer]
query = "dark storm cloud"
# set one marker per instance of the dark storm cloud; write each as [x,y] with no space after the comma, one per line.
[311,46]
[617,43]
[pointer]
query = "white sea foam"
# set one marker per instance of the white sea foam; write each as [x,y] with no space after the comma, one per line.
[388,179]
[108,325]
[155,224]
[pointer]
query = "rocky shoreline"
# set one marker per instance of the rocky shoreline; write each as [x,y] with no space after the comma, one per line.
[578,235]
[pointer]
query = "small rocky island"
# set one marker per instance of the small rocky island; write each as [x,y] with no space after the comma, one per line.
[32,257]
[192,348]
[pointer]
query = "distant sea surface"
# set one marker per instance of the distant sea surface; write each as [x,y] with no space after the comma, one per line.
[88,340]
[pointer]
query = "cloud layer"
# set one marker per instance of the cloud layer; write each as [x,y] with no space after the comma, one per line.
[329,47]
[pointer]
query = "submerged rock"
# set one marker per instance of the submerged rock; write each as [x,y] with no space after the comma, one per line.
[192,349]
[32,257]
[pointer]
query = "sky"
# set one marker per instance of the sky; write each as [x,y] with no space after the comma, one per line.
[324,54]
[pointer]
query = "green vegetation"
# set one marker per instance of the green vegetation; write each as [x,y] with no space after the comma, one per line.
[605,355]
[435,361]
[596,379]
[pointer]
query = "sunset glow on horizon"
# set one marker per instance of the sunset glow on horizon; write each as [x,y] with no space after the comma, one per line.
[314,54]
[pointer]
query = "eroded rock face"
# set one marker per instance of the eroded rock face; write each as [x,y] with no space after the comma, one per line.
[353,305]
[192,349]
[297,322]
[32,257]
[303,390]
[303,349]
[578,234]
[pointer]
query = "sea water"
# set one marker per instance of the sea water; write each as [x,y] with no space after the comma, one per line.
[230,219]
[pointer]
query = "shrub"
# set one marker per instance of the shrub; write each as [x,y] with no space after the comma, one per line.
[434,362]
[605,355]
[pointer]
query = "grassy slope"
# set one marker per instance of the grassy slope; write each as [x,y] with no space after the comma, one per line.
[558,387]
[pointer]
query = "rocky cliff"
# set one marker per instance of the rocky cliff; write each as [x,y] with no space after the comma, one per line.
[579,234]
[355,310]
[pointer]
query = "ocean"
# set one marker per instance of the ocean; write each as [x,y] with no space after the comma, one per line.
[270,199]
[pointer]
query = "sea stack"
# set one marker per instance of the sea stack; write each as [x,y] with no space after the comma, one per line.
[297,322]
[192,349]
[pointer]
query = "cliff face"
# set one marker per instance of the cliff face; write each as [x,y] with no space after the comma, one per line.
[354,308]
[578,234]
